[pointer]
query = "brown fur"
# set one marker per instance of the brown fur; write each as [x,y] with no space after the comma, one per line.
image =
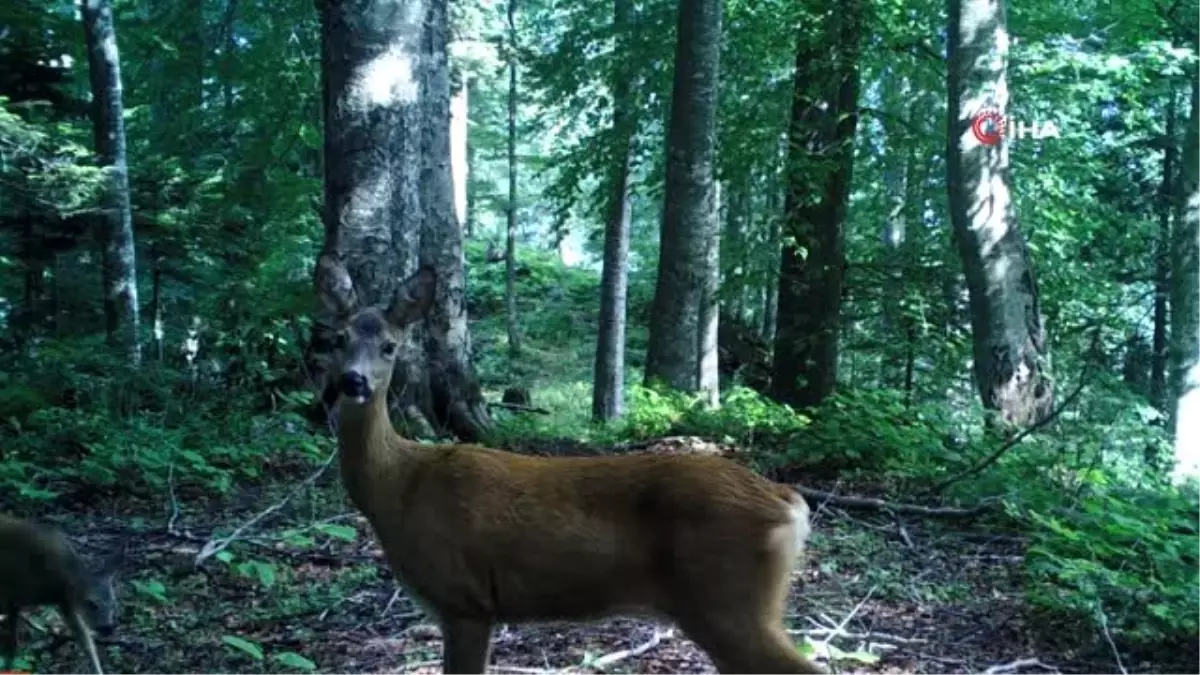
[38,566]
[480,536]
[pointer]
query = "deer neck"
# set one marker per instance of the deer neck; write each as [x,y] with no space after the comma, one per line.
[370,449]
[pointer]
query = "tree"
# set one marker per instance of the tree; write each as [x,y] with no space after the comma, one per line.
[389,195]
[608,383]
[1006,322]
[820,167]
[116,221]
[689,221]
[510,231]
[1185,307]
[1162,260]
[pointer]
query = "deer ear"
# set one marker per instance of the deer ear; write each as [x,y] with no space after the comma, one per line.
[413,298]
[333,284]
[111,563]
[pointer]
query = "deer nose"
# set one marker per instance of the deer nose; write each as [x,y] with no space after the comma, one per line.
[354,385]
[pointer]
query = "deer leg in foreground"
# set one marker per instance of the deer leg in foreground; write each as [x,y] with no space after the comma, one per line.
[466,644]
[12,622]
[84,636]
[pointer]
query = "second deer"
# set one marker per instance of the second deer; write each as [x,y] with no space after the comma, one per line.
[480,536]
[38,566]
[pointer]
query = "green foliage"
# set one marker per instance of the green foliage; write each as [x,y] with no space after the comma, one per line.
[1122,556]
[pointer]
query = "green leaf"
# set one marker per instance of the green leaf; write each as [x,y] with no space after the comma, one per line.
[244,645]
[344,532]
[294,660]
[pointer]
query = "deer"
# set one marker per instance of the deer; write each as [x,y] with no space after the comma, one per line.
[479,536]
[38,566]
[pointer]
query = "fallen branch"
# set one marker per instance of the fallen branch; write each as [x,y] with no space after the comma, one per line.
[215,545]
[991,459]
[896,507]
[1109,638]
[1019,663]
[519,407]
[616,657]
[873,636]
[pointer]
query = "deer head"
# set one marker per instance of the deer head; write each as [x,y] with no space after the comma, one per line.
[368,337]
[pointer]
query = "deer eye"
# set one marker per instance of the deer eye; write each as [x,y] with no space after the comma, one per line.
[339,340]
[389,349]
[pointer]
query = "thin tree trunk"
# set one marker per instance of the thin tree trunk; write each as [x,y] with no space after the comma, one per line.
[608,385]
[689,220]
[709,320]
[1185,307]
[116,235]
[472,150]
[1162,263]
[893,235]
[1006,321]
[510,239]
[824,120]
[457,397]
[459,155]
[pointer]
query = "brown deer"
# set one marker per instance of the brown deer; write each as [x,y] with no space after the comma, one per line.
[480,536]
[38,567]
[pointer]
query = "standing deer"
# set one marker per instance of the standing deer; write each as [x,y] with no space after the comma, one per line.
[38,567]
[480,536]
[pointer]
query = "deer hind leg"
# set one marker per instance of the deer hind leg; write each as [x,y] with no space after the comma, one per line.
[466,644]
[84,635]
[733,602]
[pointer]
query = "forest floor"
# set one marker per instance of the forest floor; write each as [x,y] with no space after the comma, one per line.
[886,595]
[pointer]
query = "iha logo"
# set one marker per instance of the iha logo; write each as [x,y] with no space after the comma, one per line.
[989,126]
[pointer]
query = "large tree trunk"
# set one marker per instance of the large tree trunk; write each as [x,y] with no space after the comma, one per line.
[389,199]
[1006,322]
[1185,308]
[1162,263]
[608,385]
[116,232]
[510,233]
[689,221]
[820,166]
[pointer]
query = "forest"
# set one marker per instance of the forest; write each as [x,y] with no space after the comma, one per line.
[908,291]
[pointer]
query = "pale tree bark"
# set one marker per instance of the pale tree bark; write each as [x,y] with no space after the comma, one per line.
[689,221]
[608,383]
[459,164]
[1162,262]
[820,169]
[511,321]
[116,230]
[709,376]
[389,198]
[471,216]
[1184,350]
[1006,322]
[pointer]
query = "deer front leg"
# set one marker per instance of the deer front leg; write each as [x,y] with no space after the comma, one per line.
[12,622]
[466,644]
[84,635]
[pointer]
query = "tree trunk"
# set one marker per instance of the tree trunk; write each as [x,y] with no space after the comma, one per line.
[456,392]
[116,230]
[1185,308]
[510,236]
[1006,321]
[389,198]
[893,235]
[459,162]
[821,153]
[1162,263]
[689,220]
[608,385]
[470,187]
[710,311]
